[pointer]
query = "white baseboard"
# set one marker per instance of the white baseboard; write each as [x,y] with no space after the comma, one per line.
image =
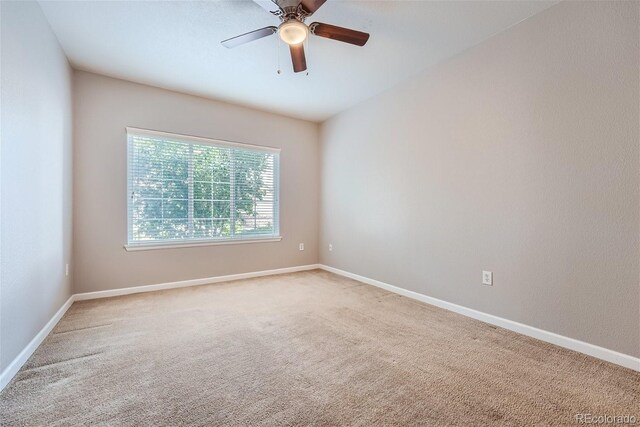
[550,337]
[13,368]
[570,343]
[192,282]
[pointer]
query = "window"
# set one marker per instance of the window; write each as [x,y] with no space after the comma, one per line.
[189,190]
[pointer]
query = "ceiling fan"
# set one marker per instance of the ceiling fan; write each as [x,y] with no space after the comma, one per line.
[293,31]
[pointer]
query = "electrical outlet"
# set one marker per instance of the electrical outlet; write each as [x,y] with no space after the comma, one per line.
[330,247]
[66,269]
[487,278]
[301,246]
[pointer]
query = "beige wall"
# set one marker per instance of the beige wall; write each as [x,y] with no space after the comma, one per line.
[519,156]
[36,176]
[103,108]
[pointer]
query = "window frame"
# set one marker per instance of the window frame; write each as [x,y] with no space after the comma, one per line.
[195,242]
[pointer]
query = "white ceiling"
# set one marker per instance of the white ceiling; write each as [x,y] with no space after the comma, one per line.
[176,45]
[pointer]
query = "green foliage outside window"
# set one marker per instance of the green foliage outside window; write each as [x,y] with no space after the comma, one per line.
[183,190]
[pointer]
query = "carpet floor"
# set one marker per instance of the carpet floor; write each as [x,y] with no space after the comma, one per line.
[308,348]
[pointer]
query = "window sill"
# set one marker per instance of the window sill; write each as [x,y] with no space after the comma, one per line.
[197,243]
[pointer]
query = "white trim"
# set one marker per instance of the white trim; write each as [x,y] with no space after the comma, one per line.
[13,368]
[190,244]
[192,282]
[198,139]
[572,344]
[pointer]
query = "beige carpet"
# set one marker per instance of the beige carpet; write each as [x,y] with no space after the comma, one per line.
[307,348]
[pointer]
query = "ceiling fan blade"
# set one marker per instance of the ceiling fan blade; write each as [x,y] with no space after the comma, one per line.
[268,5]
[248,37]
[310,6]
[297,57]
[338,33]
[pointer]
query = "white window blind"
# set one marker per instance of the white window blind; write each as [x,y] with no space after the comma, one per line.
[187,189]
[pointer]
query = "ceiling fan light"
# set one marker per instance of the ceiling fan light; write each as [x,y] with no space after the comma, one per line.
[293,32]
